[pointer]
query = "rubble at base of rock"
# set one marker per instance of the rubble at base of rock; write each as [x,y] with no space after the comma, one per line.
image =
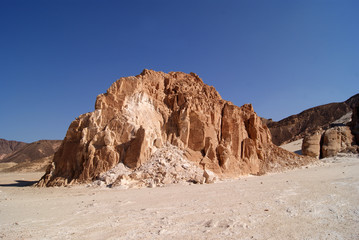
[167,165]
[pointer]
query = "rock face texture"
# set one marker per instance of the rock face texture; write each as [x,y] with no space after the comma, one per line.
[312,145]
[342,136]
[140,116]
[335,140]
[309,121]
[329,143]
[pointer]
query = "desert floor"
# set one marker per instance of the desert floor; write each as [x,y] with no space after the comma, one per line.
[317,202]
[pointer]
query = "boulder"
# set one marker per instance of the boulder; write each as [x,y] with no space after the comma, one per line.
[336,140]
[311,145]
[329,143]
[209,176]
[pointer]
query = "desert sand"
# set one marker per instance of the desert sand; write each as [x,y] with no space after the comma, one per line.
[319,201]
[295,146]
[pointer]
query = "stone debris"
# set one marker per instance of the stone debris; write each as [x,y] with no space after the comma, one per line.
[167,165]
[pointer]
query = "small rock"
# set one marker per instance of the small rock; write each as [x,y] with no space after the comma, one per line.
[209,176]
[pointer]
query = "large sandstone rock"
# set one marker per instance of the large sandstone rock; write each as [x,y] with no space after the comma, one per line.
[311,145]
[335,140]
[329,143]
[139,116]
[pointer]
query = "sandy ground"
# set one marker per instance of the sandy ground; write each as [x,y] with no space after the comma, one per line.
[295,146]
[317,202]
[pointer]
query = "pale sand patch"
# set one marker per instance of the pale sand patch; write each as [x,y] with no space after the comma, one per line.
[318,202]
[295,146]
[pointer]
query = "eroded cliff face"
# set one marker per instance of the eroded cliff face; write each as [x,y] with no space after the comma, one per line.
[141,115]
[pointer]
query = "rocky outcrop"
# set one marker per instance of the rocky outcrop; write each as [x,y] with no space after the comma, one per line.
[329,143]
[140,116]
[335,140]
[309,121]
[311,145]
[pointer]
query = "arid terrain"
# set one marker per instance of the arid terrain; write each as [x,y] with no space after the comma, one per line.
[179,120]
[27,157]
[315,202]
[163,156]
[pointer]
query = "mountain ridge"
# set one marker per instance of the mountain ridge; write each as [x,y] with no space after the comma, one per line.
[308,121]
[33,155]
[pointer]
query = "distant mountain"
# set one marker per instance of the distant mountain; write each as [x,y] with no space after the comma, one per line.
[7,147]
[297,126]
[34,156]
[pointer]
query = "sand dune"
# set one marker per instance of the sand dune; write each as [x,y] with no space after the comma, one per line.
[317,202]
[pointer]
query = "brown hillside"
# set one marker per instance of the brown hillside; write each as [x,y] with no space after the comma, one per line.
[32,151]
[307,122]
[31,156]
[7,147]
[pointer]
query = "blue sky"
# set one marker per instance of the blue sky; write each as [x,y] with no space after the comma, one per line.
[281,56]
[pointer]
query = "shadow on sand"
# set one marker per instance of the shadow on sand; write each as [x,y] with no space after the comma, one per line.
[299,152]
[19,183]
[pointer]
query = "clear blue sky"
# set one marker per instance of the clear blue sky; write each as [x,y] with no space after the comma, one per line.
[281,56]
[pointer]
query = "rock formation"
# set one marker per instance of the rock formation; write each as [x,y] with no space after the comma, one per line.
[341,136]
[335,140]
[329,143]
[140,117]
[311,145]
[309,121]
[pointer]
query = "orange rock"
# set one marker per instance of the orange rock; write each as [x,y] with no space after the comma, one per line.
[329,143]
[311,145]
[336,140]
[139,115]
